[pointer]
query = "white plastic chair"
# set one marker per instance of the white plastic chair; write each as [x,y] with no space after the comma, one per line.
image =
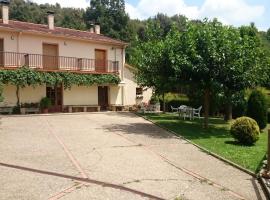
[197,112]
[174,109]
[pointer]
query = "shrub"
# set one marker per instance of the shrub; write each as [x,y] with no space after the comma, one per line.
[154,100]
[257,108]
[245,130]
[45,103]
[239,105]
[16,110]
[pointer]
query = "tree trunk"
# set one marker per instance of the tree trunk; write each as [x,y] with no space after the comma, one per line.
[164,104]
[206,106]
[228,112]
[18,95]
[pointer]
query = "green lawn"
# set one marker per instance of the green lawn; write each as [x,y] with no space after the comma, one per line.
[216,139]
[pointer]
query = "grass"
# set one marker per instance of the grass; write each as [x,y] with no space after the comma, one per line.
[216,139]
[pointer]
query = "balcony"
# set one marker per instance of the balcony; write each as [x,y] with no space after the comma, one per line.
[12,60]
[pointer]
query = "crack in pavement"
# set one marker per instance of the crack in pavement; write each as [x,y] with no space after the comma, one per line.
[189,172]
[84,180]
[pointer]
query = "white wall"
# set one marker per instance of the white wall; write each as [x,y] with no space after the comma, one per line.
[130,89]
[32,44]
[27,95]
[115,95]
[81,95]
[32,94]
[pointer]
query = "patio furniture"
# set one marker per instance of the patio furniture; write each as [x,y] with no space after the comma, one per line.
[174,109]
[182,110]
[197,112]
[188,113]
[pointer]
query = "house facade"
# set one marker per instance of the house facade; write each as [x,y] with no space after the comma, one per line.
[48,48]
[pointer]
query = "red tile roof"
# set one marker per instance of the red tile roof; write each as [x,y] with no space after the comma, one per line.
[58,31]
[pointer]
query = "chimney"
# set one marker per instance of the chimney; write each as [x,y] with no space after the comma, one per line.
[5,11]
[97,28]
[51,20]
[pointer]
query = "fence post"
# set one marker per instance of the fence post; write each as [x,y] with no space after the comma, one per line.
[268,152]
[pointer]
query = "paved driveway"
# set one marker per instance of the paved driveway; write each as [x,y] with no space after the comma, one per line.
[109,156]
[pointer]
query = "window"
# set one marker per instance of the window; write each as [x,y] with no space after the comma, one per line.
[139,91]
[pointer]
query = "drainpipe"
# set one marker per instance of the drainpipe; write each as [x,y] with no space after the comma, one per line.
[122,77]
[18,46]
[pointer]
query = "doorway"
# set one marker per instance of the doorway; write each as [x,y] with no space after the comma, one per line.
[50,56]
[55,94]
[103,101]
[100,60]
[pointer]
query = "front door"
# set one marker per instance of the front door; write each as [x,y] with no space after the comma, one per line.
[55,94]
[103,97]
[50,56]
[100,60]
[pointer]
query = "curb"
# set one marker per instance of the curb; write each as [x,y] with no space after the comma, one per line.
[257,176]
[202,148]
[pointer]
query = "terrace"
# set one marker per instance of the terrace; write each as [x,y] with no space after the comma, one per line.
[13,60]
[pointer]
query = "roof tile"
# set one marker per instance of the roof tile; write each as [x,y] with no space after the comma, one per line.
[59,31]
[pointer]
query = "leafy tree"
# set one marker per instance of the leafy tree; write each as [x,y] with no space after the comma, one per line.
[268,34]
[196,58]
[151,59]
[242,62]
[111,15]
[32,12]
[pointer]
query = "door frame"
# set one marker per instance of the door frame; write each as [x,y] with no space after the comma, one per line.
[108,96]
[55,107]
[48,43]
[106,56]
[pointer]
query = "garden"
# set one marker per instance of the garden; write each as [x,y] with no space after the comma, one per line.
[224,70]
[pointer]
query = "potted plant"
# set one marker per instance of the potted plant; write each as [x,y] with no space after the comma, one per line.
[45,104]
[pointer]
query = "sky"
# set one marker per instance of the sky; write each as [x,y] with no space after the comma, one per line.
[231,12]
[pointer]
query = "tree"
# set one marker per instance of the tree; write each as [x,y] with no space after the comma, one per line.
[112,17]
[196,57]
[32,12]
[152,60]
[268,34]
[217,59]
[242,63]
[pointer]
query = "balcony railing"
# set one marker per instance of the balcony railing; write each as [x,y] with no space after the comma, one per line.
[11,60]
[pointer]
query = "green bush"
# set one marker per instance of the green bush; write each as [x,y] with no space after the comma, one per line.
[245,130]
[154,100]
[239,105]
[257,108]
[16,110]
[45,103]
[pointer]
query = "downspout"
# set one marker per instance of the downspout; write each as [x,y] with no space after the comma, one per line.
[19,47]
[122,77]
